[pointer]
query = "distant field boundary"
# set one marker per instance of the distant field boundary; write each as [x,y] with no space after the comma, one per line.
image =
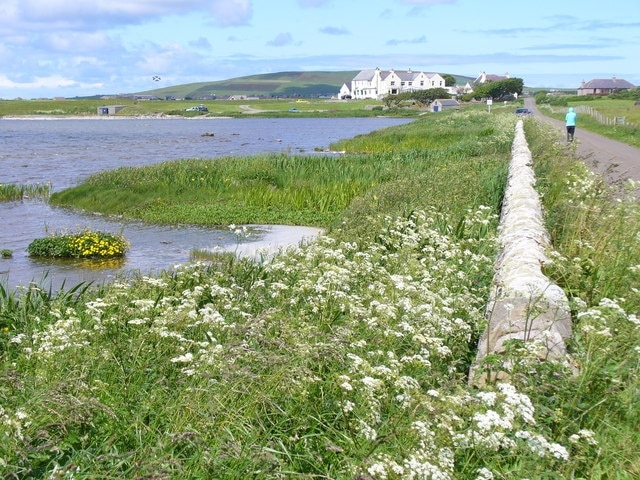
[602,119]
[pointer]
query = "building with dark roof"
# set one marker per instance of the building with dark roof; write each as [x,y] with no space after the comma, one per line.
[604,86]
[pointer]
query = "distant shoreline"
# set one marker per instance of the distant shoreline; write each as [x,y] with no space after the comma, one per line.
[106,117]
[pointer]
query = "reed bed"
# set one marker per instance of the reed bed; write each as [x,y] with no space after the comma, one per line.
[11,192]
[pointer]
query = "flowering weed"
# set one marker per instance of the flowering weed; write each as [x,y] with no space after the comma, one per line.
[85,244]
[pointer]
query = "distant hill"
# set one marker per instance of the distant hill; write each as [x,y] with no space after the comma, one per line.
[282,84]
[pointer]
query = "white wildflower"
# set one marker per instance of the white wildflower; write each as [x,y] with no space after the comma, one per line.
[186,358]
[484,474]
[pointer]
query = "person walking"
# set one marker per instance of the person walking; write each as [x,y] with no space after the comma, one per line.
[570,120]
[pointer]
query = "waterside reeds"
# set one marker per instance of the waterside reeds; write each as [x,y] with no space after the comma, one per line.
[11,191]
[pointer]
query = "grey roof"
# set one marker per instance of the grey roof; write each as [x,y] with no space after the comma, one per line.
[408,75]
[405,75]
[365,74]
[448,102]
[607,84]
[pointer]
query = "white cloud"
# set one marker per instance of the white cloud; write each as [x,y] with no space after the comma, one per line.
[232,12]
[281,40]
[70,42]
[53,81]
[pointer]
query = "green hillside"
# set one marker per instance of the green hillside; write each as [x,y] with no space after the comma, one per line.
[284,84]
[281,84]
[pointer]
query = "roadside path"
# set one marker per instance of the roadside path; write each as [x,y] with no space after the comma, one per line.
[615,161]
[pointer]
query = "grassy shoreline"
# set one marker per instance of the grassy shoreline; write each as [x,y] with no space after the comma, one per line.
[346,358]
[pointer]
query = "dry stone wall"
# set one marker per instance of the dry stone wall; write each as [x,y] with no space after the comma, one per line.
[524,304]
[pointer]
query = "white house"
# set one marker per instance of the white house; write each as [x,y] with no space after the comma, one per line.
[376,83]
[344,92]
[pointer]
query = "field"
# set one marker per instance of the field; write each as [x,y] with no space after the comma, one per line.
[223,108]
[346,358]
[616,108]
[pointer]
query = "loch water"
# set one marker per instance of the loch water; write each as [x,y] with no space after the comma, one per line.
[65,151]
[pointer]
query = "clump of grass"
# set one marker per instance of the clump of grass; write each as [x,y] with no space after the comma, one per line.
[84,244]
[9,192]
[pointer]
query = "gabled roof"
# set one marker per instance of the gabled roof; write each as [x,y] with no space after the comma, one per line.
[365,74]
[407,75]
[489,77]
[385,73]
[607,84]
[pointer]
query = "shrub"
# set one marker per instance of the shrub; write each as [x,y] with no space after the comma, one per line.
[85,244]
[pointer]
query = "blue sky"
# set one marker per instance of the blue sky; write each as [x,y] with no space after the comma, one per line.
[86,47]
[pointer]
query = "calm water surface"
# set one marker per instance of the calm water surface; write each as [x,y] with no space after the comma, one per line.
[66,151]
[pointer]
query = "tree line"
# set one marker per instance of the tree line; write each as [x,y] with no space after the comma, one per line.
[496,90]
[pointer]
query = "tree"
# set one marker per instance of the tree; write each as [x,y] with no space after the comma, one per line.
[425,97]
[395,100]
[449,80]
[498,89]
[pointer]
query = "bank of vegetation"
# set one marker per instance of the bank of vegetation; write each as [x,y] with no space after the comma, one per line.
[346,358]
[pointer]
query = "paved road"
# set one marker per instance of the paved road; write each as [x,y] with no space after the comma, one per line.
[616,161]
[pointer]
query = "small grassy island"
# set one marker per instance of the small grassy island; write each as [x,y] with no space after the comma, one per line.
[85,244]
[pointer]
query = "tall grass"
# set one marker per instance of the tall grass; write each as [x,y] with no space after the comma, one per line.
[344,359]
[10,192]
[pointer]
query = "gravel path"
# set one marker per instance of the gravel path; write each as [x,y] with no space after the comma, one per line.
[616,161]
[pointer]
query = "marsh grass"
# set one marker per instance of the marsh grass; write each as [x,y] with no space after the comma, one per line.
[304,190]
[346,358]
[11,192]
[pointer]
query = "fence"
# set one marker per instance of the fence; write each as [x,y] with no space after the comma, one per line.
[588,110]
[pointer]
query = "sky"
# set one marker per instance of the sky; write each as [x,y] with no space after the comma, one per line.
[64,48]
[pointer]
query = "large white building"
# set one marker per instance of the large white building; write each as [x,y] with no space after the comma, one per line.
[376,83]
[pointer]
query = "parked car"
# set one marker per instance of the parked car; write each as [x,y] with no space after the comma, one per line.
[523,111]
[198,108]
